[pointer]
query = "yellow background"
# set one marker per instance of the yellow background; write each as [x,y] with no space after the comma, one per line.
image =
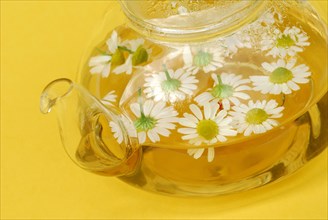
[44,40]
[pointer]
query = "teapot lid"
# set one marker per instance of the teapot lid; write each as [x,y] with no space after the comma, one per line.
[189,18]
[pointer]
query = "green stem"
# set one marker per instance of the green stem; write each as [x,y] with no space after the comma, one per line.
[125,49]
[140,103]
[168,77]
[283,99]
[103,52]
[219,80]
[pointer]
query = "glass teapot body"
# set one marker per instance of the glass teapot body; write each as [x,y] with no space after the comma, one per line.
[220,96]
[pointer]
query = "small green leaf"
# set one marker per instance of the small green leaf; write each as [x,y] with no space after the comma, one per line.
[118,58]
[139,56]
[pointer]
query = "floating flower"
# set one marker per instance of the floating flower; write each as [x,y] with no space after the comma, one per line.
[121,55]
[289,42]
[101,64]
[170,85]
[283,78]
[137,55]
[256,117]
[120,132]
[109,98]
[206,59]
[270,17]
[234,42]
[153,119]
[208,127]
[227,88]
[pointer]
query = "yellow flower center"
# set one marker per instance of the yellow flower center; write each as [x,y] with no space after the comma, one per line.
[207,129]
[256,116]
[285,41]
[281,75]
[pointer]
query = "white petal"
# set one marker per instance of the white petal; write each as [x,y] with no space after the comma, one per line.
[276,89]
[187,123]
[135,108]
[99,60]
[199,153]
[106,71]
[187,130]
[301,80]
[97,69]
[191,117]
[157,109]
[194,108]
[228,132]
[148,106]
[210,154]
[226,104]
[207,110]
[112,42]
[221,138]
[248,130]
[293,85]
[162,131]
[219,117]
[153,136]
[187,56]
[268,67]
[189,136]
[142,137]
[166,125]
[241,95]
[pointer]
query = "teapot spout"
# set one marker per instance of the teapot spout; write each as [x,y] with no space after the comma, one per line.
[95,137]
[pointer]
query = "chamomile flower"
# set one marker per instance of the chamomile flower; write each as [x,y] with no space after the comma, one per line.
[197,153]
[109,98]
[232,43]
[206,59]
[120,132]
[153,120]
[227,89]
[289,42]
[270,17]
[284,77]
[170,85]
[209,126]
[137,55]
[257,117]
[101,64]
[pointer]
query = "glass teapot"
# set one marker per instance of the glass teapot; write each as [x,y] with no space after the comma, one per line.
[198,97]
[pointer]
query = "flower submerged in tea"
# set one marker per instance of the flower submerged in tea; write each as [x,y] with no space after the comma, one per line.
[227,89]
[205,59]
[257,117]
[170,85]
[121,56]
[289,42]
[209,126]
[137,55]
[283,77]
[101,64]
[153,120]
